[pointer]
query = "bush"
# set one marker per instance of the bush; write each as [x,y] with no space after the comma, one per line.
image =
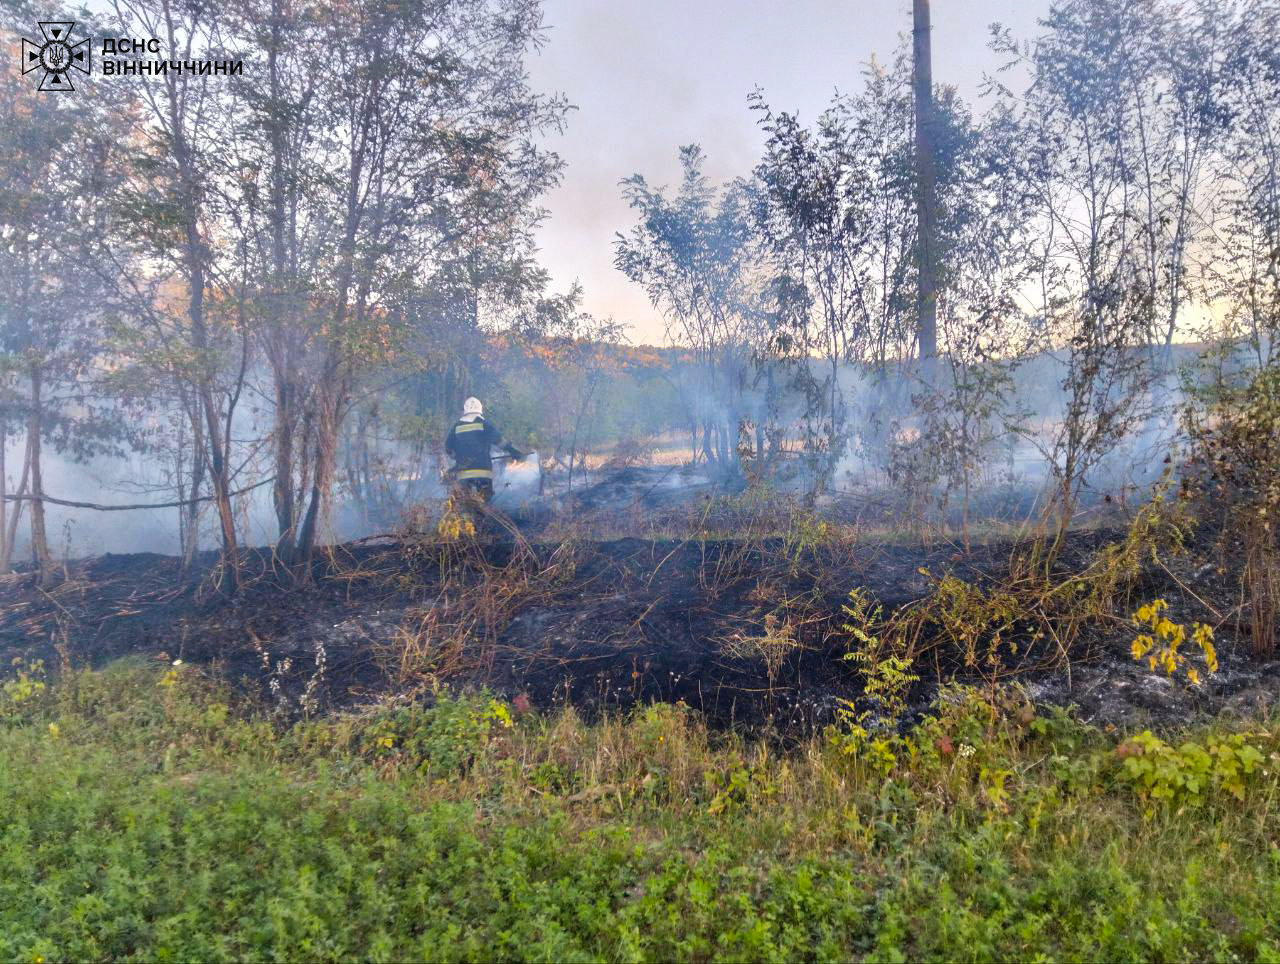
[440,740]
[1237,452]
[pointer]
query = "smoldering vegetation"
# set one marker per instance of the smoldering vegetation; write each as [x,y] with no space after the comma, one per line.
[1015,422]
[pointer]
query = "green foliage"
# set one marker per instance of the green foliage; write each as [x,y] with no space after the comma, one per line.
[806,532]
[1158,531]
[1191,772]
[23,692]
[886,670]
[165,822]
[438,740]
[970,621]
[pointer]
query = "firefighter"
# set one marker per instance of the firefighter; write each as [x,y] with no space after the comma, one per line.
[469,443]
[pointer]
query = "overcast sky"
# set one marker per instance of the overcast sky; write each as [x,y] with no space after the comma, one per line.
[649,76]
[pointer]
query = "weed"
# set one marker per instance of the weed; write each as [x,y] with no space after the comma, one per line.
[1158,531]
[885,667]
[806,533]
[974,622]
[1161,642]
[1188,773]
[25,691]
[455,522]
[439,740]
[772,646]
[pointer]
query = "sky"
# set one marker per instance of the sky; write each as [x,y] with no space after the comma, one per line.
[647,77]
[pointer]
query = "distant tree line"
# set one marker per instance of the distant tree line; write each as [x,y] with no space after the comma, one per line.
[1116,196]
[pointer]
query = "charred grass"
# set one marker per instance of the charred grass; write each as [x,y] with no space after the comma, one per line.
[755,630]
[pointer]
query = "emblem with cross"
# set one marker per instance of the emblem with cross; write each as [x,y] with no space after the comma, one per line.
[57,55]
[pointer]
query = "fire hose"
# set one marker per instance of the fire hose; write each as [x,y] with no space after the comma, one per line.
[450,475]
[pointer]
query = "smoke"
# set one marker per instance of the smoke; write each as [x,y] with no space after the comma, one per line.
[517,484]
[103,480]
[1013,476]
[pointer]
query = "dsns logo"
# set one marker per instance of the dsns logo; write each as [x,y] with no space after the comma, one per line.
[57,55]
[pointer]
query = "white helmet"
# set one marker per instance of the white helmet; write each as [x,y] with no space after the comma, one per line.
[472,406]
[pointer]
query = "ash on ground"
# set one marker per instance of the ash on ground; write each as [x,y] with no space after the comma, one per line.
[603,625]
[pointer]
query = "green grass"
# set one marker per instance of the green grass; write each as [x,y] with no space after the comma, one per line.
[144,815]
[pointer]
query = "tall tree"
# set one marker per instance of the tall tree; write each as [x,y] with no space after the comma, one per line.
[1094,294]
[926,183]
[434,128]
[832,206]
[1243,269]
[185,287]
[305,212]
[692,252]
[57,164]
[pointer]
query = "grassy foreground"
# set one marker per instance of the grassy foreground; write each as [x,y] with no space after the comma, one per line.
[143,816]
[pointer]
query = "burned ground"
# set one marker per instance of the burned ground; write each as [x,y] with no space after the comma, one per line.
[603,625]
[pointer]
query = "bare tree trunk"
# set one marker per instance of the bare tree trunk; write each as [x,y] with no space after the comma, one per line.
[195,254]
[11,533]
[325,462]
[191,526]
[926,188]
[333,382]
[220,476]
[39,537]
[282,349]
[4,528]
[1065,510]
[282,489]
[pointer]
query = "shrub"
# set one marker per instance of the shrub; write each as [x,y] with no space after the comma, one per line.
[23,693]
[1187,773]
[440,740]
[885,666]
[1237,452]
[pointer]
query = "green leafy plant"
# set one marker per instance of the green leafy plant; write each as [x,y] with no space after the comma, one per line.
[441,739]
[1160,644]
[203,829]
[806,532]
[884,664]
[973,620]
[23,692]
[1187,773]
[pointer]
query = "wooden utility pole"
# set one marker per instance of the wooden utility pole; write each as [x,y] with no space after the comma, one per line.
[926,187]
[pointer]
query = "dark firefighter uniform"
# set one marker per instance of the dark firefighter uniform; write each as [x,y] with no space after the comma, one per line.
[469,443]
